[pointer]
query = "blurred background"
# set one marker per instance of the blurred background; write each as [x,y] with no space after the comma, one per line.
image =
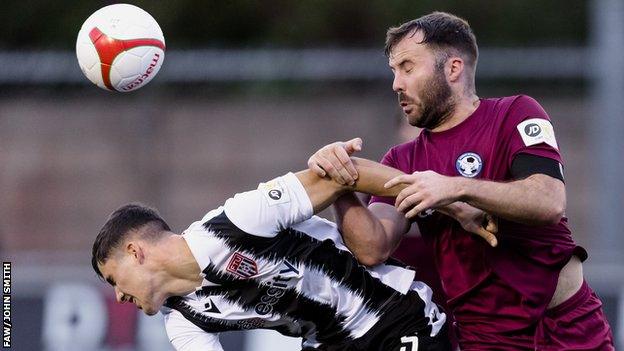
[248,90]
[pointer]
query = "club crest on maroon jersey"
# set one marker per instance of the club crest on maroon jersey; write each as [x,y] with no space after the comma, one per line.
[469,164]
[242,266]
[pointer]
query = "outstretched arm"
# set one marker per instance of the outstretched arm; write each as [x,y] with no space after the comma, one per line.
[372,177]
[293,198]
[371,238]
[372,234]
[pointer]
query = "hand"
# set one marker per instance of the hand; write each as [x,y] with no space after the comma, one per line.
[425,190]
[333,159]
[475,221]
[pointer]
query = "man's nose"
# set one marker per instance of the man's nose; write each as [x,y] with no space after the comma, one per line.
[397,84]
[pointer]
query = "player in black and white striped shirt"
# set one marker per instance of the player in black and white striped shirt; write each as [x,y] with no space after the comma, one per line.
[262,260]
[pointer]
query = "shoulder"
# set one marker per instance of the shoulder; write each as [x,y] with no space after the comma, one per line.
[509,112]
[525,122]
[515,100]
[321,229]
[199,226]
[520,107]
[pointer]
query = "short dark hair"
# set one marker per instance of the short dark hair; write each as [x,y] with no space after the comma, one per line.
[441,31]
[125,219]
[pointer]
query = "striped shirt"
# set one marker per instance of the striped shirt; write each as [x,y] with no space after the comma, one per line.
[268,263]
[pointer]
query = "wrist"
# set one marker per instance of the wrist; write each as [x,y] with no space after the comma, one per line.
[461,187]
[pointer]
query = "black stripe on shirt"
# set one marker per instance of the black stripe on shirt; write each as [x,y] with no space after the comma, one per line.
[295,246]
[218,325]
[265,299]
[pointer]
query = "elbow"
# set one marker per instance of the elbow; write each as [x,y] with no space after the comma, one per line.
[552,214]
[557,209]
[373,258]
[553,190]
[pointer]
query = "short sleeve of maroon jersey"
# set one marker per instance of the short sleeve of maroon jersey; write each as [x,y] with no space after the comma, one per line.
[388,160]
[521,109]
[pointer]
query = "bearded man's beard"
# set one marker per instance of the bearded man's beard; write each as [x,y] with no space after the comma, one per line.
[436,102]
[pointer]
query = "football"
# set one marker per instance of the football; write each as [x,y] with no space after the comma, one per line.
[120,48]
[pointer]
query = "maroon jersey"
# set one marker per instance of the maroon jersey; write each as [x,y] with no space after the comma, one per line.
[507,287]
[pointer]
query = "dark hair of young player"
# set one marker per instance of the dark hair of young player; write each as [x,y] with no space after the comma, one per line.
[119,225]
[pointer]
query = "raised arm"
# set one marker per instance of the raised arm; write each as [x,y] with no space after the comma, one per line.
[373,233]
[372,177]
[293,198]
[370,237]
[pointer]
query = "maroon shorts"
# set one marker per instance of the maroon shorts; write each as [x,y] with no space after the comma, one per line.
[576,324]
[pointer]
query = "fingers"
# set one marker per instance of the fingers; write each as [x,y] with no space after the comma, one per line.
[407,200]
[487,236]
[491,223]
[403,194]
[333,160]
[334,168]
[402,179]
[422,206]
[353,145]
[314,167]
[348,171]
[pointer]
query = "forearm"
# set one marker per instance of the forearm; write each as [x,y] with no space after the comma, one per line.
[372,177]
[364,232]
[531,201]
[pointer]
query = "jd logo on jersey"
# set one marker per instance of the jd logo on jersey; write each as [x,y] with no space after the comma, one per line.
[535,131]
[532,129]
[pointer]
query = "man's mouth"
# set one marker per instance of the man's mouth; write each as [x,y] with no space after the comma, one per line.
[134,301]
[406,106]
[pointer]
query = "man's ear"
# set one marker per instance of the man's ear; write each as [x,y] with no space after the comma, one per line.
[136,250]
[454,68]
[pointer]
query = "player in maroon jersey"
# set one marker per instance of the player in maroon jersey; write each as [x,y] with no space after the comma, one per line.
[499,155]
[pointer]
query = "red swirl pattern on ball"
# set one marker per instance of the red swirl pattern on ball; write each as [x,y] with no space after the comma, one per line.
[108,48]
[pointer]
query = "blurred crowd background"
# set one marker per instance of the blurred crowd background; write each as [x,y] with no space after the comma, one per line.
[248,90]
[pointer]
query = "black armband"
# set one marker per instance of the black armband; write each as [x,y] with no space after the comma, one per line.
[524,165]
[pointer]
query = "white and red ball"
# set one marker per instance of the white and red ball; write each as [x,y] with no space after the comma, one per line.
[120,47]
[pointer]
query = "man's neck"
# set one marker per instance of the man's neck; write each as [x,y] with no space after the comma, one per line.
[466,106]
[180,266]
